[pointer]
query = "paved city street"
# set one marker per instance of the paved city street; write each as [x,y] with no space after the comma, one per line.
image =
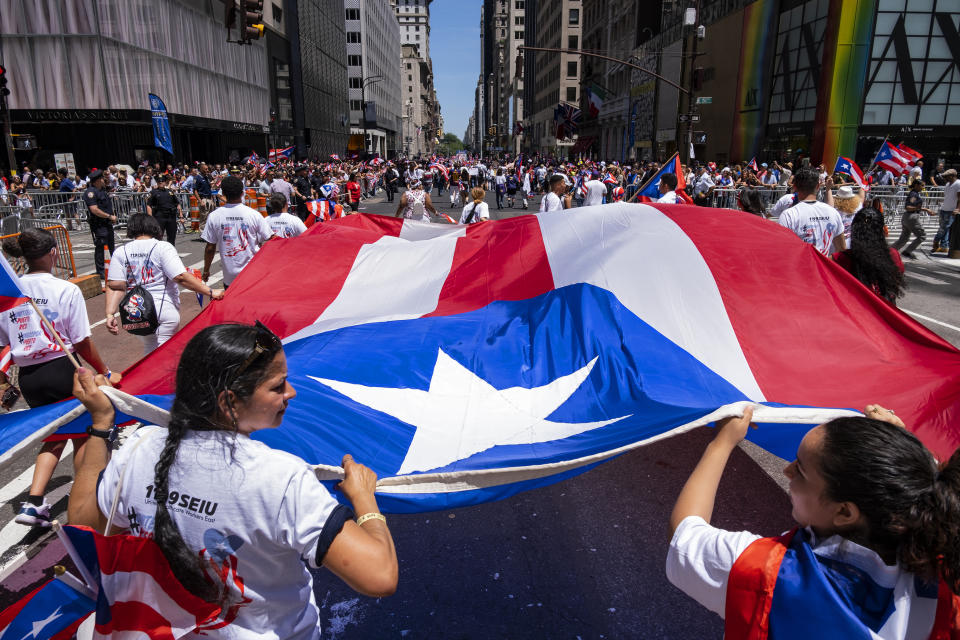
[581,558]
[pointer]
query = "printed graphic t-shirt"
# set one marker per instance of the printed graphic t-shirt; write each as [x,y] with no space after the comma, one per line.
[259,516]
[814,222]
[63,305]
[238,231]
[285,225]
[151,263]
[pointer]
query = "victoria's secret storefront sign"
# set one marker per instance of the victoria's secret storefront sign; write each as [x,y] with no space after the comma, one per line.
[79,115]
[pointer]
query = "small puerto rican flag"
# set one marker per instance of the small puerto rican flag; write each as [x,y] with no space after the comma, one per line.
[10,293]
[849,167]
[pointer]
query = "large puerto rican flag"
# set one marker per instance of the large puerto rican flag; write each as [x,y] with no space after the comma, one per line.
[891,158]
[467,363]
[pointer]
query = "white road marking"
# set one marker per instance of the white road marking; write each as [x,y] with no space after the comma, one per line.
[922,278]
[13,532]
[22,482]
[933,320]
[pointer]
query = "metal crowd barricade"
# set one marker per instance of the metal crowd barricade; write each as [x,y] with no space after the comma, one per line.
[71,214]
[127,204]
[725,198]
[64,267]
[10,210]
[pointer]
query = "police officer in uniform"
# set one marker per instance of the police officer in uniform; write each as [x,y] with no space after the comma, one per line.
[101,219]
[302,191]
[164,206]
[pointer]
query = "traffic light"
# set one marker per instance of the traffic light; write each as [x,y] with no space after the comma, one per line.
[251,20]
[4,92]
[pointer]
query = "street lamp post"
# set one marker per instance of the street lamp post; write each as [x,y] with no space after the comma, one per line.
[363,104]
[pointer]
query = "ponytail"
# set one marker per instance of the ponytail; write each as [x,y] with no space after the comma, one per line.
[909,503]
[30,244]
[216,360]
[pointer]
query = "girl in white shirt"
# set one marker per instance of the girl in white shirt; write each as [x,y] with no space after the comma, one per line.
[45,372]
[876,554]
[240,524]
[156,266]
[477,210]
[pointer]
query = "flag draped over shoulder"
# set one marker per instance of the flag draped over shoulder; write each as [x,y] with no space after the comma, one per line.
[467,363]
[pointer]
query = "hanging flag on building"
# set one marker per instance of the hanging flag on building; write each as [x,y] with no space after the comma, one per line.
[161,124]
[595,99]
[567,118]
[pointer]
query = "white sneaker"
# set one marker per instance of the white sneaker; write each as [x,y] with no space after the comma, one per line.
[34,516]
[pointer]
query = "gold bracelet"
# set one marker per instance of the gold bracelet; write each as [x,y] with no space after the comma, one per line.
[371,516]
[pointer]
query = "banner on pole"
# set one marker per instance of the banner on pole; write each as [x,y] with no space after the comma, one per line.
[161,124]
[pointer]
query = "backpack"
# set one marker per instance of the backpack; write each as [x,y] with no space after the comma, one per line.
[138,313]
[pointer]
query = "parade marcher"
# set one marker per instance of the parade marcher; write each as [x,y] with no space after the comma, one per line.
[816,223]
[204,192]
[235,230]
[595,190]
[165,207]
[46,373]
[869,259]
[390,179]
[847,202]
[526,189]
[415,203]
[302,191]
[874,554]
[668,189]
[353,193]
[272,521]
[500,187]
[476,211]
[557,198]
[910,222]
[948,208]
[750,201]
[155,265]
[101,219]
[325,207]
[281,223]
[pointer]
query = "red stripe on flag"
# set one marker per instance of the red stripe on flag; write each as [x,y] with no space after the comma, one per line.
[501,261]
[137,616]
[876,354]
[270,290]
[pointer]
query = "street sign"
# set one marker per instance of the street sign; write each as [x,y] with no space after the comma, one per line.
[704,100]
[684,117]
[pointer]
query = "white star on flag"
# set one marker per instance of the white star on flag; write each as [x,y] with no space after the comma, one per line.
[461,414]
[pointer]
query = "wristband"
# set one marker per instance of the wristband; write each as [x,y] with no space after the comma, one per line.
[110,435]
[371,516]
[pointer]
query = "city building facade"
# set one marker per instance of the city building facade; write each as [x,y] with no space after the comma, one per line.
[555,76]
[80,74]
[373,76]
[422,122]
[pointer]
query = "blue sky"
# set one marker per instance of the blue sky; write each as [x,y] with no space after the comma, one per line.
[455,51]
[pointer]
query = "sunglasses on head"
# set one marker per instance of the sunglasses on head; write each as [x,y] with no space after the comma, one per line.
[265,341]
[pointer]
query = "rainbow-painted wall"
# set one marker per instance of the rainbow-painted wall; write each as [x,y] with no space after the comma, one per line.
[760,21]
[846,59]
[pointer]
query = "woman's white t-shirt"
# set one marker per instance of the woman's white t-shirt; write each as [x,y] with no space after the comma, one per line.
[63,305]
[236,502]
[483,213]
[151,263]
[285,225]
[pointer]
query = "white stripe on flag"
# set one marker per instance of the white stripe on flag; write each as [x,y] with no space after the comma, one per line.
[140,586]
[678,297]
[391,279]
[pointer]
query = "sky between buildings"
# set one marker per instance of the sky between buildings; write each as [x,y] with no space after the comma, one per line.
[455,49]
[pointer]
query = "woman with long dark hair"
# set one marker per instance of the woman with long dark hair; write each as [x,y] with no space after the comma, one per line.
[239,522]
[869,259]
[875,554]
[46,373]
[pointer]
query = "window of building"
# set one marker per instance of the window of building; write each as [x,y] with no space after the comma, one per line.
[416,28]
[518,4]
[353,14]
[355,105]
[353,36]
[409,77]
[409,66]
[574,16]
[355,61]
[409,89]
[572,69]
[518,35]
[354,83]
[518,21]
[277,14]
[571,94]
[572,42]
